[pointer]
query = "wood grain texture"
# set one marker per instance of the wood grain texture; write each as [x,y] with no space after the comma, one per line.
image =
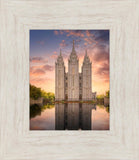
[17,142]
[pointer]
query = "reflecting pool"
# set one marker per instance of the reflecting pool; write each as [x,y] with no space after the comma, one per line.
[69,116]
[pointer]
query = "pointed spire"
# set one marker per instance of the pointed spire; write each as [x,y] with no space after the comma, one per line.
[73,47]
[73,55]
[86,52]
[60,52]
[86,58]
[60,58]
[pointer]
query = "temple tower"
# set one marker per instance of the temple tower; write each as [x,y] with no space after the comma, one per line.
[73,76]
[86,78]
[59,79]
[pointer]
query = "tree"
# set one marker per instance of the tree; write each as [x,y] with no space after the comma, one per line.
[35,92]
[107,94]
[49,96]
[101,96]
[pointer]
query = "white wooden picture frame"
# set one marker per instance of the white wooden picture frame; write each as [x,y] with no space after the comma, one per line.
[121,142]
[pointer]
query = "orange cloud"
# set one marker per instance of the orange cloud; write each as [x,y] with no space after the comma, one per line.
[37,72]
[89,34]
[90,40]
[85,44]
[48,67]
[55,52]
[74,33]
[63,44]
[56,32]
[54,56]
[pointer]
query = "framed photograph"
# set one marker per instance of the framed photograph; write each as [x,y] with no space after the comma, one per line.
[69,80]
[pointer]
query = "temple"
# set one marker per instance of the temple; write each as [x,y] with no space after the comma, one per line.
[73,86]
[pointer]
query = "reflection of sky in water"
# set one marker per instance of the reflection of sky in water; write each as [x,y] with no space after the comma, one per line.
[100,119]
[46,121]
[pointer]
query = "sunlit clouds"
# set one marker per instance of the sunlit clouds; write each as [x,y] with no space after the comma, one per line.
[45,46]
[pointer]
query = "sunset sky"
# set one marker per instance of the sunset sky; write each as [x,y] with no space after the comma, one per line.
[45,46]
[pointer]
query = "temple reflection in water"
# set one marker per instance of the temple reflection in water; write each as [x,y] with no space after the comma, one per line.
[73,116]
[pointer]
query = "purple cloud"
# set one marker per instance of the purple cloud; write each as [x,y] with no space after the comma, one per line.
[48,67]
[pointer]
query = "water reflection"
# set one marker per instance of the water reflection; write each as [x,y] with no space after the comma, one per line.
[100,118]
[35,110]
[73,116]
[38,109]
[70,116]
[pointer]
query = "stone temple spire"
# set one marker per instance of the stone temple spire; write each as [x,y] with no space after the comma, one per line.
[86,52]
[73,47]
[86,58]
[73,55]
[60,52]
[60,58]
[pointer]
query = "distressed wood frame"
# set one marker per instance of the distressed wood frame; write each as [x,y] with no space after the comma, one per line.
[17,142]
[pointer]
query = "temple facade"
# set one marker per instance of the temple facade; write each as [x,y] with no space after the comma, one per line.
[73,86]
